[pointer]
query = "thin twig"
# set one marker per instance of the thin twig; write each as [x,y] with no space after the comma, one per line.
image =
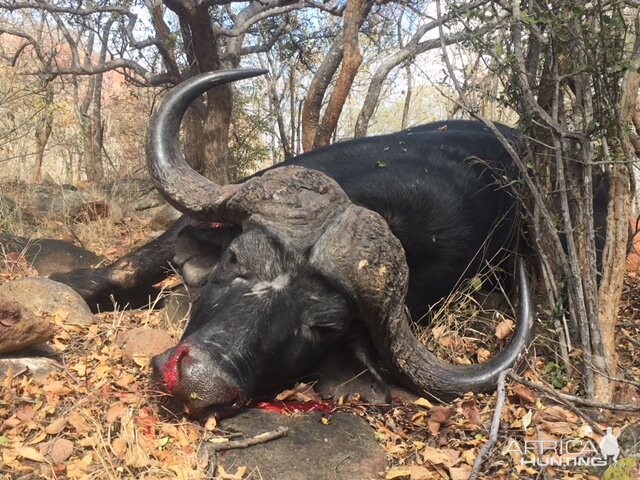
[209,451]
[249,442]
[628,325]
[631,340]
[495,426]
[565,397]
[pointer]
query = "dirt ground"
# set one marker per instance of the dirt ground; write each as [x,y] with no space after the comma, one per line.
[98,418]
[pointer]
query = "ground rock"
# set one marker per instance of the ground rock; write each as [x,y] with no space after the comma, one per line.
[345,448]
[41,295]
[37,367]
[162,217]
[134,194]
[11,213]
[20,328]
[144,342]
[38,361]
[55,200]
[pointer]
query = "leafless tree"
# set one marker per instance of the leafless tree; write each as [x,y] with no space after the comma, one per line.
[563,72]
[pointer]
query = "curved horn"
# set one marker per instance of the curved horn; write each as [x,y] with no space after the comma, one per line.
[359,253]
[183,187]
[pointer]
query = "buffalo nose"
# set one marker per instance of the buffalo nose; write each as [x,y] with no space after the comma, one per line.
[171,371]
[194,379]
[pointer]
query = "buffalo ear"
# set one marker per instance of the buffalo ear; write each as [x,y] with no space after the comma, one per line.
[198,249]
[351,369]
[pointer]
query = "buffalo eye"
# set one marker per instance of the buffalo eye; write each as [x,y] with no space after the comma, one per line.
[233,265]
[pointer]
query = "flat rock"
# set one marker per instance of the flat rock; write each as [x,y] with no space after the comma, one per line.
[41,295]
[344,449]
[12,213]
[55,200]
[144,342]
[162,217]
[38,361]
[37,367]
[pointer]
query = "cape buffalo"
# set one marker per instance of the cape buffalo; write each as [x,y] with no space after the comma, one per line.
[337,249]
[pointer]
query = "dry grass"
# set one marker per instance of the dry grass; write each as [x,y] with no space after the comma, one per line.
[469,325]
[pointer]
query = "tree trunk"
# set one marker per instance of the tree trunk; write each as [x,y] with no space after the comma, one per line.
[312,104]
[196,18]
[194,140]
[276,106]
[614,255]
[354,15]
[407,98]
[43,133]
[612,280]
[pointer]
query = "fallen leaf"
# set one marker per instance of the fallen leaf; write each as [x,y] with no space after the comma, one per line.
[434,427]
[441,414]
[397,472]
[460,473]
[504,329]
[56,426]
[29,453]
[61,450]
[57,388]
[25,413]
[301,392]
[211,424]
[423,402]
[585,431]
[119,447]
[483,355]
[559,428]
[556,413]
[472,414]
[77,421]
[526,420]
[418,472]
[525,394]
[444,456]
[115,411]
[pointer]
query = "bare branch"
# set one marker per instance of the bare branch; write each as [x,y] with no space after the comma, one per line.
[495,426]
[49,7]
[255,12]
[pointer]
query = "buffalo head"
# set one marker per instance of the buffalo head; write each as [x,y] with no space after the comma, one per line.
[303,270]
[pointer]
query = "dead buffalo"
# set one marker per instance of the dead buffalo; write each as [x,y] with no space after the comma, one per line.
[335,250]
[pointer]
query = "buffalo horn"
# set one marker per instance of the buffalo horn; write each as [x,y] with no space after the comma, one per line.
[183,187]
[359,253]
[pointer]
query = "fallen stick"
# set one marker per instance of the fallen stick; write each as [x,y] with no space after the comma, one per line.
[553,393]
[209,451]
[249,442]
[495,427]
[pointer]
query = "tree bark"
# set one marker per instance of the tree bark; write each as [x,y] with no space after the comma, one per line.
[407,98]
[354,15]
[215,152]
[43,132]
[312,104]
[612,280]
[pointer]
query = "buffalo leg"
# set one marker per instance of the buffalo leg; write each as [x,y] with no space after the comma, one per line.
[130,279]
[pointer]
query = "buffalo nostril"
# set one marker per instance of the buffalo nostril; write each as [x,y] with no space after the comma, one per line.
[171,374]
